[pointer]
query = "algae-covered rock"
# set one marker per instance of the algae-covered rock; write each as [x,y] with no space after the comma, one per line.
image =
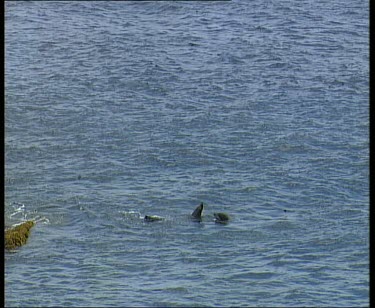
[18,235]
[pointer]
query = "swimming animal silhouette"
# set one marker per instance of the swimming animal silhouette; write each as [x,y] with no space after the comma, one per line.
[222,218]
[153,218]
[197,214]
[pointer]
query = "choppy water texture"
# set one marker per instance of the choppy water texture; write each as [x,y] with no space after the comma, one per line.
[116,110]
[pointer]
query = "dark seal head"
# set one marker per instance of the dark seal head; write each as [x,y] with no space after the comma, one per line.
[221,218]
[197,214]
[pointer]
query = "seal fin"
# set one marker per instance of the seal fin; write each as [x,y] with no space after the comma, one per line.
[198,211]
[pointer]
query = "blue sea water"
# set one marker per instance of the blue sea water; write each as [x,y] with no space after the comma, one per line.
[116,110]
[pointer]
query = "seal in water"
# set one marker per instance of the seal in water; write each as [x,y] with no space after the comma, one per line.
[153,218]
[197,214]
[221,218]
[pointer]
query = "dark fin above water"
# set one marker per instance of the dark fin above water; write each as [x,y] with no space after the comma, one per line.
[221,218]
[198,212]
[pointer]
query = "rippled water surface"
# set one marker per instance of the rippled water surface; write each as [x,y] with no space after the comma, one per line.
[116,110]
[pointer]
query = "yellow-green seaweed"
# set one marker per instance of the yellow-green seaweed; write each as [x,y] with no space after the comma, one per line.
[18,235]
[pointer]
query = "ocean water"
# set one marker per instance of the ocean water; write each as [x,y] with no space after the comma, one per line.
[116,110]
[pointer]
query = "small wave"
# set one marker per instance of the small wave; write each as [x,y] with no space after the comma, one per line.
[17,213]
[40,219]
[131,214]
[18,208]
